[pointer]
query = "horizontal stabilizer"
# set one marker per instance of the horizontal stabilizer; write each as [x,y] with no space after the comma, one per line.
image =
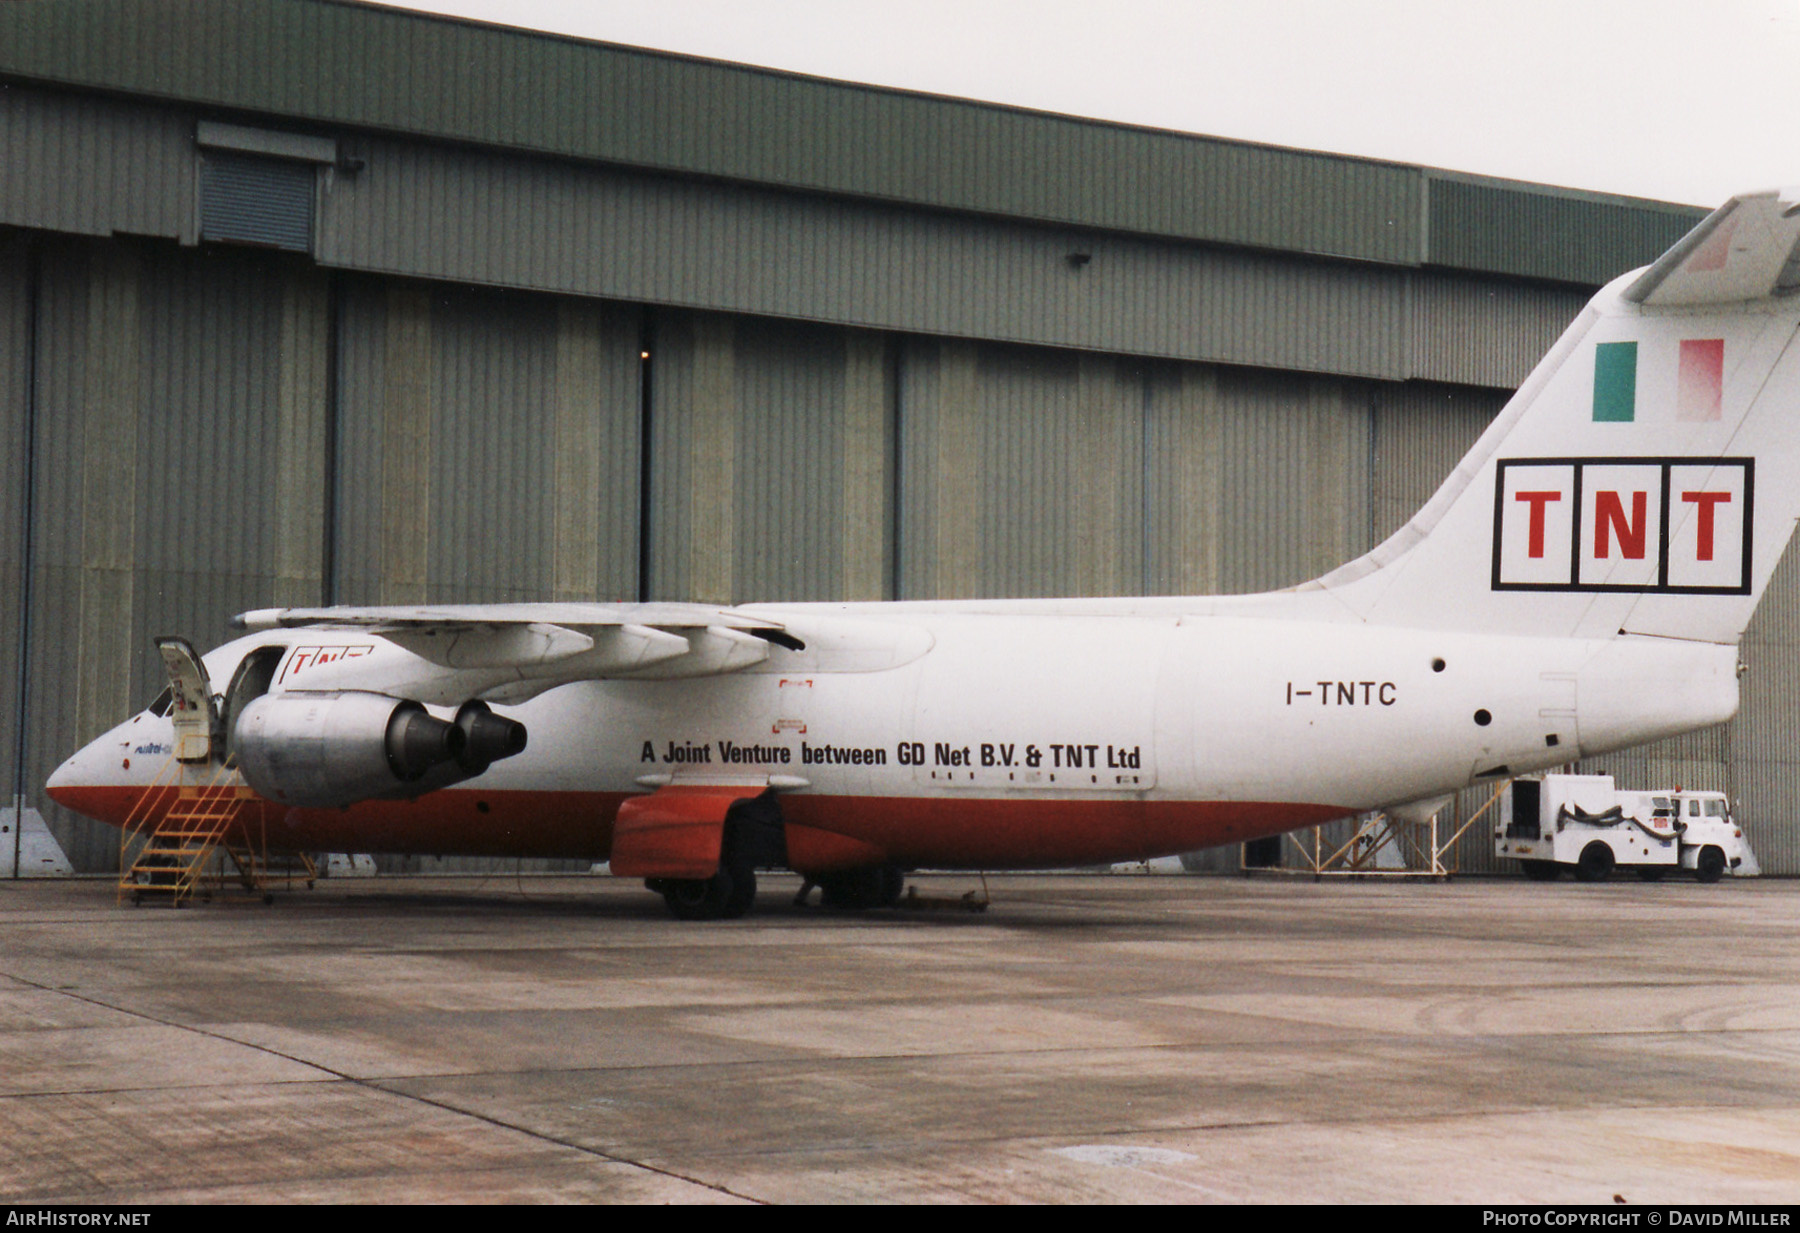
[1743,251]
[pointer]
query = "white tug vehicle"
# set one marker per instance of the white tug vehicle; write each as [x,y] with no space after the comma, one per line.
[1585,822]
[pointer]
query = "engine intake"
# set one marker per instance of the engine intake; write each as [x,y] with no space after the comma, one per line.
[327,750]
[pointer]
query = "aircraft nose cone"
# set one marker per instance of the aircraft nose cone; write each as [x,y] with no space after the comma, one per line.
[65,779]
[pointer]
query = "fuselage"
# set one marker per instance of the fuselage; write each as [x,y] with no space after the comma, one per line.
[939,736]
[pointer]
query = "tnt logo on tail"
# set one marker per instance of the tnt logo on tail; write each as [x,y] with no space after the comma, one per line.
[1675,525]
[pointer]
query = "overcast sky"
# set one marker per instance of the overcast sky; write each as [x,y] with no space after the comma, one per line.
[1684,100]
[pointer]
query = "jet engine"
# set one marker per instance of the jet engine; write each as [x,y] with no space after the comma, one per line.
[327,750]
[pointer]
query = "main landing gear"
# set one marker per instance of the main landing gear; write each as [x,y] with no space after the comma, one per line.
[752,839]
[726,895]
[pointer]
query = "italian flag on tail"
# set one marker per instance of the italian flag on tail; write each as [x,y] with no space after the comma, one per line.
[1699,381]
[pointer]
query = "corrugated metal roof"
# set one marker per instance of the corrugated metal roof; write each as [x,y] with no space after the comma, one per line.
[329,63]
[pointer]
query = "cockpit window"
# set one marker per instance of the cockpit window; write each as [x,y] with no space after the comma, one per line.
[165,702]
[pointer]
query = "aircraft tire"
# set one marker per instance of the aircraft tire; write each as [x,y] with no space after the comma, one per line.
[701,898]
[1542,871]
[1709,866]
[879,886]
[1595,864]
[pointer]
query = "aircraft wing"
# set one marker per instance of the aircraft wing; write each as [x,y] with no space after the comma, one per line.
[556,642]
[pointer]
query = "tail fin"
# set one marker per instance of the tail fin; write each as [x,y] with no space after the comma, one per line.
[1645,479]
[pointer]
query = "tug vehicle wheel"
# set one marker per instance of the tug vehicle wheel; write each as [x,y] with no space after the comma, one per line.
[1710,865]
[1595,863]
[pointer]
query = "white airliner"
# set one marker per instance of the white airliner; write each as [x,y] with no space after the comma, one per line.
[1578,584]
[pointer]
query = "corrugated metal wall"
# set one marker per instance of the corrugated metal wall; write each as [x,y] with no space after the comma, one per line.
[1030,472]
[410,73]
[1020,473]
[1484,332]
[769,472]
[1255,480]
[15,521]
[94,166]
[1421,432]
[813,417]
[329,63]
[1761,746]
[506,220]
[1576,237]
[487,447]
[434,212]
[177,417]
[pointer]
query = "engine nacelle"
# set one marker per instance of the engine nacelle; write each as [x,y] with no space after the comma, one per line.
[326,750]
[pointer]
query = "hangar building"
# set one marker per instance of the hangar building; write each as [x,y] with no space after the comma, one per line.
[304,301]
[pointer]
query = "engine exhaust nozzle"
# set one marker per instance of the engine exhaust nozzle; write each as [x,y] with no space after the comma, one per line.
[487,737]
[417,741]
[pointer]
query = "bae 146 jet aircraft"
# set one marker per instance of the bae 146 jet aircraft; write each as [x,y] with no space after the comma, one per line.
[1577,585]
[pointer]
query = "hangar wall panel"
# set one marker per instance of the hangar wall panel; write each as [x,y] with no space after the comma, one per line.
[507,220]
[1421,431]
[1059,508]
[1184,463]
[1295,479]
[939,470]
[1762,744]
[768,461]
[335,64]
[789,446]
[1031,473]
[400,72]
[487,447]
[692,499]
[15,367]
[1578,238]
[434,212]
[1254,480]
[812,440]
[94,166]
[1484,332]
[160,437]
[1020,473]
[490,515]
[597,451]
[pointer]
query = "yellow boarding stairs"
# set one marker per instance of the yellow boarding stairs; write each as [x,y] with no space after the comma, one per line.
[196,844]
[185,827]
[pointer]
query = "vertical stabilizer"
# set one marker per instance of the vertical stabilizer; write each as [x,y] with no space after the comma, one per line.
[1645,478]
